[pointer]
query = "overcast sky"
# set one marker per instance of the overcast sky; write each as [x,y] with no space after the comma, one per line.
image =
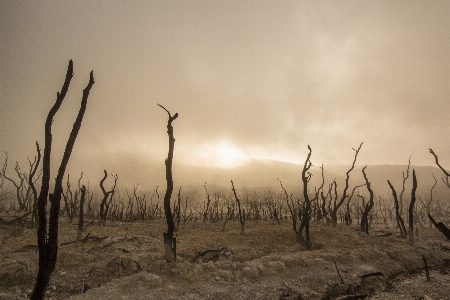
[249,79]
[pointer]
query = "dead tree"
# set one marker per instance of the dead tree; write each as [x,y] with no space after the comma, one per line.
[403,186]
[170,242]
[18,185]
[291,206]
[48,241]
[104,204]
[306,210]
[324,207]
[364,219]
[445,178]
[398,216]
[344,193]
[33,169]
[427,205]
[177,210]
[81,214]
[68,197]
[240,211]
[208,201]
[348,218]
[411,209]
[442,228]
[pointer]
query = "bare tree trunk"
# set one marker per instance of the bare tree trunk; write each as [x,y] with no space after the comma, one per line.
[34,167]
[400,223]
[306,213]
[442,228]
[344,194]
[48,243]
[364,219]
[81,215]
[403,187]
[170,242]
[411,209]
[445,178]
[18,186]
[240,211]
[103,204]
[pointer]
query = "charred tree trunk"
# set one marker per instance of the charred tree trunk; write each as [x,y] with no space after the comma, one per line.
[241,214]
[364,219]
[403,187]
[442,228]
[34,167]
[400,223]
[306,213]
[170,242]
[48,243]
[18,186]
[81,215]
[445,178]
[411,209]
[336,207]
[208,201]
[104,206]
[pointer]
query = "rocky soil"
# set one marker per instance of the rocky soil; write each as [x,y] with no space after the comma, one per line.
[125,261]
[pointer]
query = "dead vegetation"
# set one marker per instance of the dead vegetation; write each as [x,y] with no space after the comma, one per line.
[263,263]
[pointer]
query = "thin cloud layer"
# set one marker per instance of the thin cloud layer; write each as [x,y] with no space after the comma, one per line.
[263,78]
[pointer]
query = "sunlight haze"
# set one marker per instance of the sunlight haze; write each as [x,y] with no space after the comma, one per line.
[249,80]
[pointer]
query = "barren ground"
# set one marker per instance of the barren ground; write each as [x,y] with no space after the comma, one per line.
[125,261]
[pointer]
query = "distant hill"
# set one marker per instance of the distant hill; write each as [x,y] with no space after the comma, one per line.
[264,173]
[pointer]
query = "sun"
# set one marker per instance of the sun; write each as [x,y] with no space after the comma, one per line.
[219,154]
[228,156]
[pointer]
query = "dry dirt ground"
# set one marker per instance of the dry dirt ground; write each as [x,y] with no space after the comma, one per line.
[125,261]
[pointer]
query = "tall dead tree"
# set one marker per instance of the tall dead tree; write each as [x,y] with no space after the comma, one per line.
[33,169]
[18,185]
[347,217]
[344,193]
[240,211]
[445,178]
[364,218]
[81,213]
[306,209]
[398,216]
[170,242]
[104,204]
[427,205]
[411,209]
[48,240]
[403,186]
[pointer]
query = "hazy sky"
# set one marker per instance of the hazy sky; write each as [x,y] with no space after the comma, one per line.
[249,79]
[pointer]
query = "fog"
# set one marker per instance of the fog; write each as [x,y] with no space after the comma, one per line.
[249,80]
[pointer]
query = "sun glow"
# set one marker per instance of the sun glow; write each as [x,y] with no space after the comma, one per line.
[228,156]
[221,155]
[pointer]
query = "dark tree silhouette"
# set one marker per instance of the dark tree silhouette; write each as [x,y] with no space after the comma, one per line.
[170,242]
[306,209]
[18,185]
[344,193]
[81,214]
[411,209]
[445,178]
[240,211]
[104,204]
[364,218]
[48,241]
[33,169]
[398,216]
[403,187]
